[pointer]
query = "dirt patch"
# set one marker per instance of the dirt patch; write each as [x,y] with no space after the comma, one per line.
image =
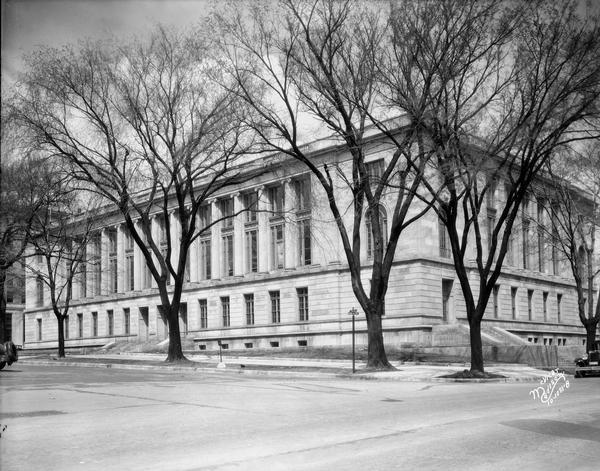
[468,374]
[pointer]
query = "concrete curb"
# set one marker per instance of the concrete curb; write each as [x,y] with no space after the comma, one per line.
[369,376]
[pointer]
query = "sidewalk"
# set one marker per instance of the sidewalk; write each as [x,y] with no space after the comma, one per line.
[287,367]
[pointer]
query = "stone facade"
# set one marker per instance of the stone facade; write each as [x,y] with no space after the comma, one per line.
[271,283]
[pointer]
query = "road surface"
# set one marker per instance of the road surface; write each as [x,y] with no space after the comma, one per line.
[69,418]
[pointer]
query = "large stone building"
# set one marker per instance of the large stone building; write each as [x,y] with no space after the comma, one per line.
[278,277]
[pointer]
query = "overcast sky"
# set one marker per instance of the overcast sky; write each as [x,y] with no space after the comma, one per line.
[26,24]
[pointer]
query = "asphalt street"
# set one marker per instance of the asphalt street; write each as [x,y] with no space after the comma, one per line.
[69,418]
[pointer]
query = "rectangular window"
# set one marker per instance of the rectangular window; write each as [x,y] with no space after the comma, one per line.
[203,313]
[540,236]
[66,326]
[558,307]
[94,324]
[302,304]
[525,244]
[530,304]
[227,247]
[129,263]
[304,242]
[249,302]
[251,239]
[446,292]
[83,279]
[163,245]
[126,321]
[225,311]
[276,200]
[513,302]
[251,207]
[110,323]
[205,266]
[303,196]
[204,219]
[277,246]
[226,207]
[444,242]
[510,251]
[545,300]
[39,330]
[375,171]
[496,301]
[275,307]
[96,261]
[80,325]
[112,261]
[39,290]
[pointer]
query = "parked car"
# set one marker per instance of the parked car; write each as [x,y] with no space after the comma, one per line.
[8,354]
[588,365]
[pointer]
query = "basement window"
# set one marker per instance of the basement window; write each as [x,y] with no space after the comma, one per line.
[274,344]
[249,345]
[225,346]
[302,343]
[201,347]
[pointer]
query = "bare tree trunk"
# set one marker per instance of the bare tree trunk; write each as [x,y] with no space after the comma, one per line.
[476,344]
[590,329]
[175,351]
[377,357]
[61,336]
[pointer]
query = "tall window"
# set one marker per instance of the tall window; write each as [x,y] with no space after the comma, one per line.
[39,330]
[129,263]
[110,322]
[375,171]
[249,303]
[251,207]
[513,302]
[226,207]
[444,241]
[545,301]
[203,313]
[204,219]
[496,301]
[80,325]
[383,228]
[251,246]
[302,304]
[39,290]
[205,259]
[96,262]
[303,194]
[94,324]
[83,268]
[555,242]
[304,242]
[277,246]
[276,199]
[491,225]
[510,251]
[525,224]
[227,256]
[530,304]
[559,307]
[112,261]
[225,311]
[540,237]
[126,321]
[66,326]
[275,307]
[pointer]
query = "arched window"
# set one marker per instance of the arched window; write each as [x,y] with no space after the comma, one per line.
[382,225]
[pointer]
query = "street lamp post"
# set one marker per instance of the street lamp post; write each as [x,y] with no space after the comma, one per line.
[353,312]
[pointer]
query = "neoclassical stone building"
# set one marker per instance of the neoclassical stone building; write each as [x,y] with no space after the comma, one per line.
[277,277]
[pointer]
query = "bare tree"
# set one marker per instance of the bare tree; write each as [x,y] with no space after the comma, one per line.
[23,188]
[308,68]
[60,240]
[146,126]
[511,89]
[573,213]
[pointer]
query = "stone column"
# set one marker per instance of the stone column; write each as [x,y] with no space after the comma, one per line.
[215,241]
[290,235]
[120,258]
[238,235]
[264,254]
